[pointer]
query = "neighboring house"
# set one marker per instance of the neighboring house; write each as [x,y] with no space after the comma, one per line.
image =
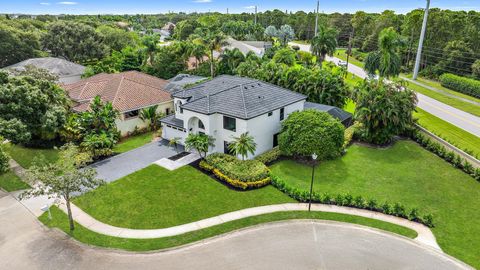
[257,47]
[181,80]
[228,106]
[129,92]
[67,72]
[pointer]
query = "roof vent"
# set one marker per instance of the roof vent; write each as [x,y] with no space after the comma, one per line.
[261,97]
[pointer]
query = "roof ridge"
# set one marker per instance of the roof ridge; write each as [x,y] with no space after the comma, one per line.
[117,90]
[83,89]
[243,99]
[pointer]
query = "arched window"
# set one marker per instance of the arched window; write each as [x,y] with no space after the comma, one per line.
[200,124]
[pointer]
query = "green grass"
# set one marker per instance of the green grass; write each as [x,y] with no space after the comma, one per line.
[439,86]
[26,156]
[341,54]
[454,135]
[60,220]
[454,102]
[11,182]
[133,142]
[155,197]
[408,174]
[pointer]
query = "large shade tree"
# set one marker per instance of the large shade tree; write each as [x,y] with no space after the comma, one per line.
[325,42]
[31,110]
[384,110]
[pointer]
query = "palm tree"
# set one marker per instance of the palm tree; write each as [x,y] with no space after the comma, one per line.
[200,142]
[213,41]
[231,59]
[243,145]
[150,42]
[386,59]
[174,143]
[151,115]
[325,42]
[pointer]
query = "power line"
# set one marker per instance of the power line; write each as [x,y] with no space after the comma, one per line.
[441,57]
[451,68]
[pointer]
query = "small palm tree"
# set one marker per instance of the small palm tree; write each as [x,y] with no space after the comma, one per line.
[174,143]
[151,115]
[325,42]
[199,142]
[243,145]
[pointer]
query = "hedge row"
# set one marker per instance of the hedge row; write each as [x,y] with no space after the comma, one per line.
[396,209]
[269,156]
[234,182]
[448,155]
[460,84]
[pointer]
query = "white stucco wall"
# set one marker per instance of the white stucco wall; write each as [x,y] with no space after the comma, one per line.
[128,125]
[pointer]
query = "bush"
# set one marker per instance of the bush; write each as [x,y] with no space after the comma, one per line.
[396,209]
[349,133]
[460,84]
[3,160]
[243,174]
[269,156]
[447,155]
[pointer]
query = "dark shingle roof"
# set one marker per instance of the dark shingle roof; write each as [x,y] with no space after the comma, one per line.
[338,113]
[239,97]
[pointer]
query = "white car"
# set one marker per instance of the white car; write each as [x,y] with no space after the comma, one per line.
[342,63]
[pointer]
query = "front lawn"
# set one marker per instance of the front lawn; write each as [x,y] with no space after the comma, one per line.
[157,198]
[84,235]
[408,174]
[9,181]
[26,156]
[133,142]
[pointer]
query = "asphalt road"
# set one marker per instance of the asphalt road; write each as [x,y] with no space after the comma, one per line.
[26,244]
[459,118]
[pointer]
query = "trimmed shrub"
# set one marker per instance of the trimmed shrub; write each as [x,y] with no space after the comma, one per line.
[269,156]
[242,174]
[348,135]
[460,84]
[3,161]
[396,209]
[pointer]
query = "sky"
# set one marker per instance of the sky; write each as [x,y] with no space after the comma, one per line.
[234,6]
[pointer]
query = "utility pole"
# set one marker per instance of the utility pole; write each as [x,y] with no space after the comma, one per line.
[316,18]
[255,14]
[420,42]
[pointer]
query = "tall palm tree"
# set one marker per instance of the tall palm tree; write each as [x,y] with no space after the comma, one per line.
[150,115]
[243,145]
[213,41]
[386,59]
[150,42]
[325,42]
[231,59]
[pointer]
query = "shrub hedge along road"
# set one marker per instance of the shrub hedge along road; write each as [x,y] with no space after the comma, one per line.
[461,84]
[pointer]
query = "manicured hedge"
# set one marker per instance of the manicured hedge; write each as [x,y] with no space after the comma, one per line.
[448,155]
[395,209]
[461,84]
[269,156]
[242,174]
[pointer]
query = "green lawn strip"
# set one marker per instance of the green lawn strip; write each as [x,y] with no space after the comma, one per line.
[60,220]
[9,181]
[439,86]
[341,54]
[454,135]
[454,102]
[26,156]
[155,197]
[133,142]
[408,174]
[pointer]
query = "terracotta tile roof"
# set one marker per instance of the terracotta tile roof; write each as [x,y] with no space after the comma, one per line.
[127,90]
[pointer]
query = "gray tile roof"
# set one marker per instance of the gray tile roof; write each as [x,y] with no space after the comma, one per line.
[338,113]
[178,82]
[238,97]
[171,120]
[58,66]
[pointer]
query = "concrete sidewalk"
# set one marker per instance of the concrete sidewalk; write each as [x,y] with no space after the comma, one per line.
[425,235]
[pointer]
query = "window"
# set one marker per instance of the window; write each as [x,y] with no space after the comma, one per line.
[225,148]
[230,123]
[200,124]
[167,111]
[270,113]
[275,139]
[282,114]
[131,114]
[181,110]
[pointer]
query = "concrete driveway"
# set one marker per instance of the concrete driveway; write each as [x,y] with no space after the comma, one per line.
[124,164]
[26,244]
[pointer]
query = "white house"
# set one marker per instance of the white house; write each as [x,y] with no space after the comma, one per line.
[228,106]
[129,92]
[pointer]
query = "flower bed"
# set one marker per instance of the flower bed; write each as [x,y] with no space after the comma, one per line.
[242,174]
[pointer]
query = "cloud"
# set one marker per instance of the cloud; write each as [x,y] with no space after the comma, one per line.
[202,1]
[67,3]
[250,7]
[45,4]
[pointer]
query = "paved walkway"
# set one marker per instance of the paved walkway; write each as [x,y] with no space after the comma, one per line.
[129,162]
[425,235]
[454,116]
